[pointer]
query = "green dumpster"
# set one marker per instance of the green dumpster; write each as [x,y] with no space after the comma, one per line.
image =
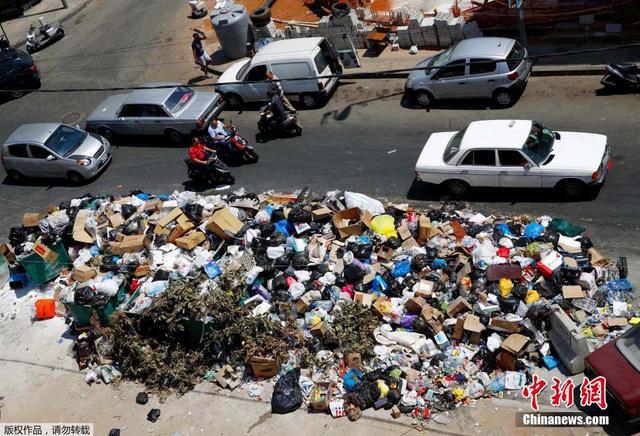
[82,313]
[41,271]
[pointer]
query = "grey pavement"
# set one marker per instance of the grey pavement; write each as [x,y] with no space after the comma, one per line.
[51,10]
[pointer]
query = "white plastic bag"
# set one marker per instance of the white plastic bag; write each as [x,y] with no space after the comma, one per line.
[355,199]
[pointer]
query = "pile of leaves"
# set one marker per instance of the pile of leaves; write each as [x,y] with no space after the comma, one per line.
[353,328]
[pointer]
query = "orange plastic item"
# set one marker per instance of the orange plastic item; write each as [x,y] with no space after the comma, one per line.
[45,308]
[458,231]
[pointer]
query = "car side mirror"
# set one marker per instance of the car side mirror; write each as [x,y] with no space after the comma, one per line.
[528,166]
[51,157]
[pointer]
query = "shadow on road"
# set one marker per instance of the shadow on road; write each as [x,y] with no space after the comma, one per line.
[343,114]
[421,191]
[461,104]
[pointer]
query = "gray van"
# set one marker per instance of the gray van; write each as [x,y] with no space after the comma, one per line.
[489,67]
[54,150]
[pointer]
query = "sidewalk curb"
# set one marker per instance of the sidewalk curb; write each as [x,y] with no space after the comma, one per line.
[558,71]
[64,18]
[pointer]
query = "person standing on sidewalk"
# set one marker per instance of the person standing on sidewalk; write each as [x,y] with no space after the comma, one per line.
[199,54]
[275,88]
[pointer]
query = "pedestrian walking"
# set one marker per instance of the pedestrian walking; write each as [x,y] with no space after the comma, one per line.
[275,88]
[199,54]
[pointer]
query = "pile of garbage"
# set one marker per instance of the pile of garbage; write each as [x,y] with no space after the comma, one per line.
[348,303]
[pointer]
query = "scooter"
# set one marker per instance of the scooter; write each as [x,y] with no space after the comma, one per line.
[212,174]
[271,125]
[47,34]
[236,151]
[198,8]
[621,77]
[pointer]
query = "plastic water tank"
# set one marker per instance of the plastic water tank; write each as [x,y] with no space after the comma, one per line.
[232,26]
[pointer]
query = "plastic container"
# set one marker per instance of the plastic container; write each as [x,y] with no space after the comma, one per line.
[45,308]
[40,271]
[82,313]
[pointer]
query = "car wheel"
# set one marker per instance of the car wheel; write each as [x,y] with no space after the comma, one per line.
[76,178]
[234,101]
[310,100]
[15,176]
[173,136]
[503,97]
[424,98]
[457,187]
[16,94]
[106,133]
[297,130]
[571,189]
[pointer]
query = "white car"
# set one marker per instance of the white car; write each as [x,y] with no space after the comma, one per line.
[514,154]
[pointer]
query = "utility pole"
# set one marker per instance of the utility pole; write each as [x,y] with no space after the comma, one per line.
[523,32]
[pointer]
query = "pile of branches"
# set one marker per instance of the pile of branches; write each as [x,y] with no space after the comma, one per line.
[352,329]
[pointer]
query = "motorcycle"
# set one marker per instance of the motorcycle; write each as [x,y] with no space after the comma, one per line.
[198,8]
[235,151]
[47,34]
[212,174]
[268,123]
[621,77]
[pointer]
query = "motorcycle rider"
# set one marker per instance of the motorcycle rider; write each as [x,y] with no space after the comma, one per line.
[200,153]
[276,107]
[218,134]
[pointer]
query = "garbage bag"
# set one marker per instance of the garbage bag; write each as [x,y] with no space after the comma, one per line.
[364,396]
[361,251]
[384,225]
[393,242]
[485,360]
[85,296]
[420,262]
[401,269]
[128,210]
[353,274]
[355,199]
[533,230]
[299,215]
[287,395]
[193,212]
[565,228]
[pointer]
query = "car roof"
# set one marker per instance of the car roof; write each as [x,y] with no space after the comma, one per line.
[292,47]
[505,134]
[491,47]
[32,133]
[149,96]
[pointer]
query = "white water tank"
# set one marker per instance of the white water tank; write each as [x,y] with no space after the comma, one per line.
[233,28]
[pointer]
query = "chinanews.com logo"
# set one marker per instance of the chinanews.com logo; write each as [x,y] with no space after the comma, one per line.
[592,392]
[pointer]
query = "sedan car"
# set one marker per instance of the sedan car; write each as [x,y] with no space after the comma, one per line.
[514,154]
[173,111]
[54,150]
[495,68]
[619,363]
[17,73]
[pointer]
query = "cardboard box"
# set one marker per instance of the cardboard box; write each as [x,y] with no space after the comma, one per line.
[169,217]
[116,220]
[319,330]
[283,198]
[433,317]
[348,222]
[379,306]
[31,219]
[404,232]
[425,230]
[572,291]
[501,325]
[7,251]
[510,350]
[354,360]
[474,327]
[363,298]
[596,257]
[320,214]
[321,395]
[45,252]
[617,322]
[415,304]
[80,234]
[179,230]
[386,253]
[424,288]
[224,223]
[116,248]
[191,240]
[457,306]
[133,243]
[409,243]
[264,367]
[142,270]
[153,205]
[395,412]
[302,305]
[83,273]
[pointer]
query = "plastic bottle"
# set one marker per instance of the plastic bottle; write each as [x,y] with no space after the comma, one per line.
[497,384]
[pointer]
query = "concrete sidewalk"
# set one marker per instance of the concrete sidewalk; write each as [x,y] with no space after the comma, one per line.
[51,10]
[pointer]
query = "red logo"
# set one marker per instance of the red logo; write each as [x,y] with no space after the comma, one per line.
[591,392]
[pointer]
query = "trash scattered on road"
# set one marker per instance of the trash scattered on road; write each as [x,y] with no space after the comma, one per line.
[347,303]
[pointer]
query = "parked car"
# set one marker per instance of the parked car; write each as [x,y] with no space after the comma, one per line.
[514,154]
[17,72]
[618,362]
[54,150]
[175,112]
[474,68]
[297,58]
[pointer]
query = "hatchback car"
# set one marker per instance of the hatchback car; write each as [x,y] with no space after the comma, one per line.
[489,67]
[514,154]
[54,150]
[174,111]
[17,73]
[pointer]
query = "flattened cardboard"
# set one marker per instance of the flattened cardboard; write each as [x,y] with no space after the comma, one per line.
[31,219]
[404,232]
[169,217]
[191,240]
[83,273]
[224,223]
[80,234]
[320,214]
[617,322]
[572,291]
[424,288]
[515,343]
[596,257]
[457,306]
[116,220]
[133,243]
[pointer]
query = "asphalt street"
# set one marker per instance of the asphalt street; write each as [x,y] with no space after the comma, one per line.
[366,139]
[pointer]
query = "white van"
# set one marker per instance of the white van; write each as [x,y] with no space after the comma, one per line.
[296,58]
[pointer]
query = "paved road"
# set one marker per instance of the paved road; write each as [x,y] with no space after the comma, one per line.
[365,139]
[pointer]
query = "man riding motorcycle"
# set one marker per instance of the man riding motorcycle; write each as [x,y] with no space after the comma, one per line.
[218,133]
[199,153]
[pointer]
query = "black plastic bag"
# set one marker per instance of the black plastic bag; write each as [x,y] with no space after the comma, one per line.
[353,274]
[193,212]
[419,262]
[299,215]
[394,396]
[368,394]
[86,296]
[300,261]
[485,360]
[393,242]
[128,210]
[287,395]
[361,251]
[153,415]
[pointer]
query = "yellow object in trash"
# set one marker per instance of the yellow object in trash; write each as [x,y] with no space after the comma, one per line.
[459,394]
[383,388]
[587,332]
[384,225]
[532,296]
[505,286]
[634,320]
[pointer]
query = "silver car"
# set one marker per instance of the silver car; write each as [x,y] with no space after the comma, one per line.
[54,150]
[495,68]
[174,112]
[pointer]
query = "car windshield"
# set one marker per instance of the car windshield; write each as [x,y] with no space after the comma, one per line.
[439,60]
[453,146]
[629,346]
[179,99]
[65,139]
[539,143]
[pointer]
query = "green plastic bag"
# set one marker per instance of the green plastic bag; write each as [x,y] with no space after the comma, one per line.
[565,228]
